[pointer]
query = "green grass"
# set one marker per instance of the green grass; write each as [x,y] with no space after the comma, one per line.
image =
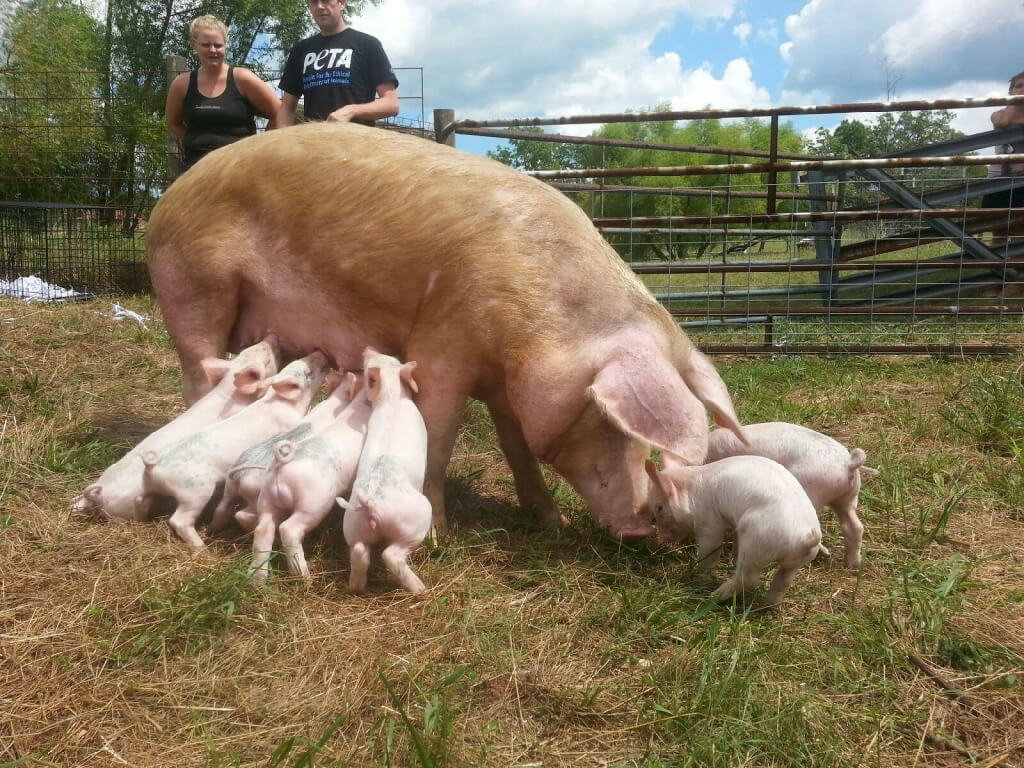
[533,646]
[183,619]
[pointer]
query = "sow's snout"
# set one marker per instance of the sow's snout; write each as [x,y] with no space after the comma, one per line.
[641,530]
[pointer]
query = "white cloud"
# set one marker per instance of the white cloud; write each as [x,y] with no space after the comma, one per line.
[768,32]
[742,31]
[847,51]
[523,58]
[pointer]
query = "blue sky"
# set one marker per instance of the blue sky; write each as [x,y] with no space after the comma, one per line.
[521,58]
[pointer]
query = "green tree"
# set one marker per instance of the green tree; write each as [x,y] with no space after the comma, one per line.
[890,134]
[41,159]
[893,132]
[116,63]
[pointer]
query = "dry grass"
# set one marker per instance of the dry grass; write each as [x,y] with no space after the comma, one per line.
[118,647]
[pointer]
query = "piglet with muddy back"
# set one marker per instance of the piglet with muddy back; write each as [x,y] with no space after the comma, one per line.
[233,385]
[245,479]
[190,469]
[343,236]
[303,481]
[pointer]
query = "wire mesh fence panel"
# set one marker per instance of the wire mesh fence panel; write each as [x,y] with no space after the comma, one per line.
[52,251]
[71,137]
[83,164]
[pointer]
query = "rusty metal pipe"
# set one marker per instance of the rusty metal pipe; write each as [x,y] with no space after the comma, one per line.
[788,218]
[718,114]
[681,191]
[891,311]
[949,350]
[793,165]
[813,265]
[561,138]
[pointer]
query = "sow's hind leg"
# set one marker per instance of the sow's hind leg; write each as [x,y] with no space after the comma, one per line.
[199,302]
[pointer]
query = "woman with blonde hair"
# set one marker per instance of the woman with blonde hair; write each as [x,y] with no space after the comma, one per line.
[216,104]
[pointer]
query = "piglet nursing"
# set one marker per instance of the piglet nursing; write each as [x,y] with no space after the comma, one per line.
[758,498]
[387,502]
[245,479]
[303,483]
[828,472]
[190,469]
[236,384]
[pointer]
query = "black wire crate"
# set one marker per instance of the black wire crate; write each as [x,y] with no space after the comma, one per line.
[65,251]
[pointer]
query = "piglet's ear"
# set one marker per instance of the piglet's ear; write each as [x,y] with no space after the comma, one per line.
[333,380]
[703,380]
[662,482]
[215,369]
[354,383]
[406,375]
[249,382]
[289,390]
[371,382]
[644,397]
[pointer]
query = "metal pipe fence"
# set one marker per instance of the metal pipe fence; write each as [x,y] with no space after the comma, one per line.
[807,254]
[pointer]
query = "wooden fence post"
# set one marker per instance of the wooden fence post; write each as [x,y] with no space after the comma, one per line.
[443,117]
[173,65]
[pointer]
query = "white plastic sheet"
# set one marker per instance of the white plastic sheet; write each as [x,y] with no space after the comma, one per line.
[33,288]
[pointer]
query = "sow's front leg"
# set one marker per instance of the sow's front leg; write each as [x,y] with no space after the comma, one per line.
[199,310]
[442,416]
[531,489]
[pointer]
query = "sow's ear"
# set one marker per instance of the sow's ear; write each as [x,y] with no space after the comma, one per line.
[644,397]
[703,380]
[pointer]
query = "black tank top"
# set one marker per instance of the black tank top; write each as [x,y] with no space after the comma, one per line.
[213,123]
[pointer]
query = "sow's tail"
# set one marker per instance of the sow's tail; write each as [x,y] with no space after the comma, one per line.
[857,459]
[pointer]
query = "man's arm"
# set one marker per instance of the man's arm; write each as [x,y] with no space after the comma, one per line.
[386,105]
[286,112]
[1008,116]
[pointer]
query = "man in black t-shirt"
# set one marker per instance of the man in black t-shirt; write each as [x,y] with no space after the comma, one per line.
[343,74]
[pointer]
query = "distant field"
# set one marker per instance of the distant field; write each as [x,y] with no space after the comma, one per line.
[532,647]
